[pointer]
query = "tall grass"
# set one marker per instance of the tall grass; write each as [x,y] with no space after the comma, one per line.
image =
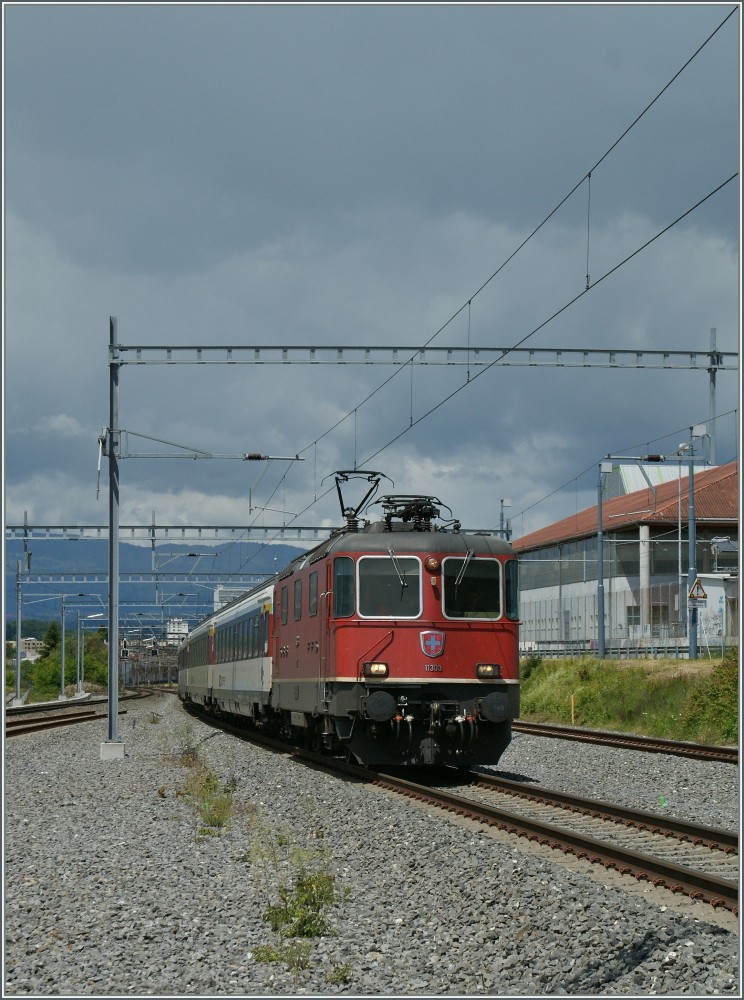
[607,694]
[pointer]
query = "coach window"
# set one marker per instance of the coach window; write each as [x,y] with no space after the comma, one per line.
[312,596]
[297,600]
[389,587]
[472,588]
[285,605]
[511,587]
[254,637]
[343,586]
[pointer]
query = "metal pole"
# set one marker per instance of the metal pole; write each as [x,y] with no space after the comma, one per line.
[19,641]
[692,570]
[714,362]
[600,573]
[62,657]
[113,601]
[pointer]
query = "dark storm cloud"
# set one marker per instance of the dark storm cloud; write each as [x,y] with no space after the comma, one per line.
[157,138]
[353,174]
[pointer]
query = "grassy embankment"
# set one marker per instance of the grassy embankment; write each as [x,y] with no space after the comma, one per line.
[673,699]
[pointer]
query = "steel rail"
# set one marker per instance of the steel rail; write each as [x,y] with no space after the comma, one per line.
[19,727]
[668,826]
[666,874]
[677,748]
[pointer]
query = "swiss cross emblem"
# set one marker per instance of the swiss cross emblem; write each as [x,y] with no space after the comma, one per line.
[432,643]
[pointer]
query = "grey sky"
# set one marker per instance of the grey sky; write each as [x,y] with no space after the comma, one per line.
[352,175]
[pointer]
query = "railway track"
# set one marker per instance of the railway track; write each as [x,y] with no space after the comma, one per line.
[698,861]
[701,862]
[54,714]
[18,727]
[627,741]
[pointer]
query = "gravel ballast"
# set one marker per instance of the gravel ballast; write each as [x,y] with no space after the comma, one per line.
[112,887]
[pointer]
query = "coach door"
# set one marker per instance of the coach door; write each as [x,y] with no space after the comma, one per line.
[324,666]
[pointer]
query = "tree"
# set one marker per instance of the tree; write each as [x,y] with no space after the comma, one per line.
[51,639]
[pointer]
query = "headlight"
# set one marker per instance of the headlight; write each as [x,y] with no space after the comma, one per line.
[432,564]
[375,669]
[488,670]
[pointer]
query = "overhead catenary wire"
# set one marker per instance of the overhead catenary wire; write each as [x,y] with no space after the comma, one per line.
[550,318]
[537,228]
[468,303]
[488,367]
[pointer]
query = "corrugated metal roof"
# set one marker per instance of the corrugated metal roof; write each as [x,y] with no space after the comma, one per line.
[716,499]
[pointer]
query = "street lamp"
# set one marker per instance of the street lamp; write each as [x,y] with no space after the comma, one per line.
[698,431]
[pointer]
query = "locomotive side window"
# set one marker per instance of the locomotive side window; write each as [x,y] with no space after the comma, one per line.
[298,600]
[312,595]
[285,605]
[472,588]
[389,588]
[511,587]
[343,586]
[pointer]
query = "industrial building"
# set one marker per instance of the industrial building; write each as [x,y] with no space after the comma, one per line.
[645,571]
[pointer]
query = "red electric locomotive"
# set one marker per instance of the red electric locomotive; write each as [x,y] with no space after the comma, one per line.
[395,641]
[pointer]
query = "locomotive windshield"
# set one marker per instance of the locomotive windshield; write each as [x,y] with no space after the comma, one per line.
[472,588]
[389,587]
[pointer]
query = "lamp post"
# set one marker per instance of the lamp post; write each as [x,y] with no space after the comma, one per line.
[698,431]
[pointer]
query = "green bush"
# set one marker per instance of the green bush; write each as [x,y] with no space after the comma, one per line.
[528,664]
[712,711]
[608,694]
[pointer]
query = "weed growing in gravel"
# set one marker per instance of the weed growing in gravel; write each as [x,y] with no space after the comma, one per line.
[297,891]
[339,974]
[186,751]
[154,718]
[213,800]
[294,954]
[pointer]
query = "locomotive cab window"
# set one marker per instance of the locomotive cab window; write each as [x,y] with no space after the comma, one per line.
[389,587]
[343,586]
[472,588]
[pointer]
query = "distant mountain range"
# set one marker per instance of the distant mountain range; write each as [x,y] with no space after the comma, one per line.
[183,589]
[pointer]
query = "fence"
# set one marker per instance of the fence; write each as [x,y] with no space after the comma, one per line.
[638,622]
